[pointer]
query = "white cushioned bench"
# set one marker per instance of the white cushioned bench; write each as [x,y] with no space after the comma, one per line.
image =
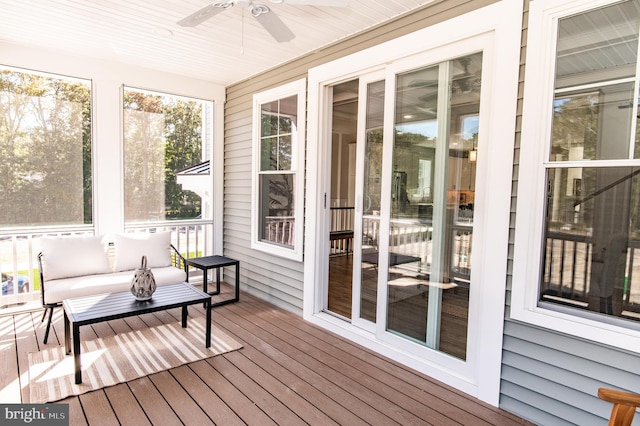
[82,266]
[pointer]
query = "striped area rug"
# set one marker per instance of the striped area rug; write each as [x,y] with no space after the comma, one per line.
[122,357]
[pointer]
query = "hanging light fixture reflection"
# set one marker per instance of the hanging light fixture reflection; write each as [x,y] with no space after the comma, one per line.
[473,154]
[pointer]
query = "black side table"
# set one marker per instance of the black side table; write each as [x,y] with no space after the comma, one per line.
[215,262]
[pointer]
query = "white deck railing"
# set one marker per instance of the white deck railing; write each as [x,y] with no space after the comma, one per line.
[567,275]
[342,219]
[409,237]
[280,229]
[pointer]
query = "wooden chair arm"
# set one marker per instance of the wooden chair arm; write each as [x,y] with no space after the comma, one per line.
[619,397]
[624,405]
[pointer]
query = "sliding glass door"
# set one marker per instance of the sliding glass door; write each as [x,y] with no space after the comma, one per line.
[432,198]
[414,202]
[429,185]
[408,272]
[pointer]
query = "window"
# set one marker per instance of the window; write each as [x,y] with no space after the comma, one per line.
[164,135]
[586,262]
[45,150]
[278,165]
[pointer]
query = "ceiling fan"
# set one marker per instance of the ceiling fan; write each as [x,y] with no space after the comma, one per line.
[263,14]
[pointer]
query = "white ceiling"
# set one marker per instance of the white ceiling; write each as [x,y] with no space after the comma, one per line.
[229,47]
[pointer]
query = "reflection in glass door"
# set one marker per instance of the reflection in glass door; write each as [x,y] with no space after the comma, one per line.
[432,204]
[368,181]
[423,269]
[341,199]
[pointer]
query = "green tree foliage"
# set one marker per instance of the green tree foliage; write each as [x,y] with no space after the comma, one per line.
[183,149]
[575,124]
[163,134]
[45,150]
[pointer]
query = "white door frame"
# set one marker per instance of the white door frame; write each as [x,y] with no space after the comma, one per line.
[495,30]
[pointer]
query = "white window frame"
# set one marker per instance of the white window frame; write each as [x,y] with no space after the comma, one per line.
[294,88]
[536,130]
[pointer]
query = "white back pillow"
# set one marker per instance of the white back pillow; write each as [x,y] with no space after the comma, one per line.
[64,257]
[131,247]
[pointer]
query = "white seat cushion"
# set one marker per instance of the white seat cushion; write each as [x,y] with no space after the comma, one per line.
[55,291]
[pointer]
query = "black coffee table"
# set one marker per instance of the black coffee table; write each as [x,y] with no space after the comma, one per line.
[81,311]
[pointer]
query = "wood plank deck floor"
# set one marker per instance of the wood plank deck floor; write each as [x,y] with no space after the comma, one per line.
[289,372]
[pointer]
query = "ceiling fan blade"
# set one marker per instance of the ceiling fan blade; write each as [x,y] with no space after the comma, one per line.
[329,3]
[274,25]
[205,13]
